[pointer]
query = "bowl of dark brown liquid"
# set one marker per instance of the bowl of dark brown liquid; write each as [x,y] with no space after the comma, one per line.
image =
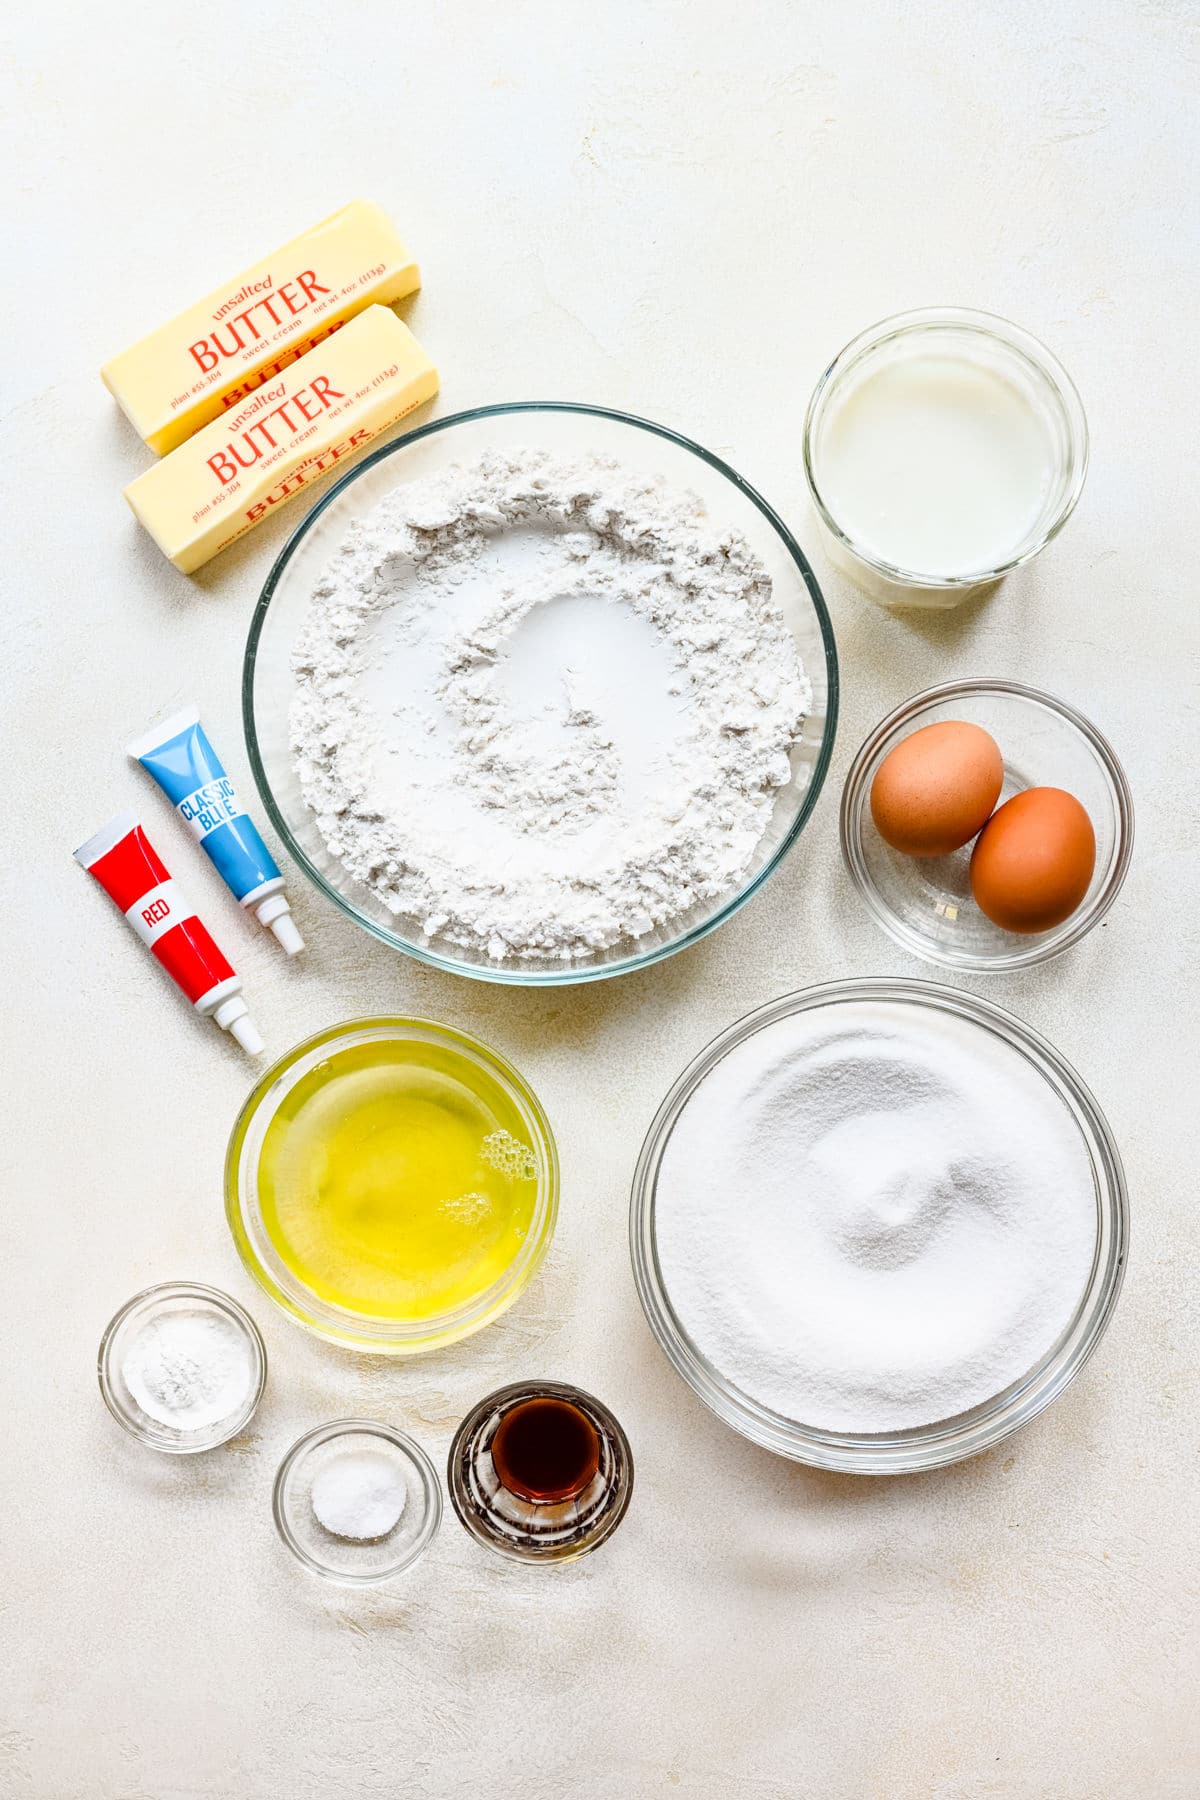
[546,1450]
[540,1472]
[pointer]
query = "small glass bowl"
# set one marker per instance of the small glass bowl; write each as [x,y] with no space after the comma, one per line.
[342,1325]
[926,1446]
[985,341]
[356,1562]
[155,1303]
[925,903]
[524,1530]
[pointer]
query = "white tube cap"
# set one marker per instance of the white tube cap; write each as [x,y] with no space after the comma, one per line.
[247,1035]
[276,915]
[288,933]
[233,1016]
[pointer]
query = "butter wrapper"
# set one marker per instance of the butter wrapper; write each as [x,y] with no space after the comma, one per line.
[319,410]
[208,359]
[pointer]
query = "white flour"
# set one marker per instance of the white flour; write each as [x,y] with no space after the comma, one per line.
[541,707]
[872,1216]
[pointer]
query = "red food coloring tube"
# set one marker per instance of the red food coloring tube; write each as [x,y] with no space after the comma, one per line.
[138,882]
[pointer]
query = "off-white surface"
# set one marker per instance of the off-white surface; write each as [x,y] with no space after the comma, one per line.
[682,210]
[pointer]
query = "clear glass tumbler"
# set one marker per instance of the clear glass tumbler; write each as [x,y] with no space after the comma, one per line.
[973,384]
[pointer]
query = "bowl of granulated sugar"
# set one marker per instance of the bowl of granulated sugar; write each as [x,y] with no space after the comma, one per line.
[878,1225]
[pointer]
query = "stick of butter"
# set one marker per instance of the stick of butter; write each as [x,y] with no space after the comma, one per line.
[210,357]
[287,432]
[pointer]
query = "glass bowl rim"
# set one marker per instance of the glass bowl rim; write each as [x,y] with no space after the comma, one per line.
[1015,337]
[431,1488]
[1080,922]
[361,1331]
[220,1301]
[564,977]
[922,1447]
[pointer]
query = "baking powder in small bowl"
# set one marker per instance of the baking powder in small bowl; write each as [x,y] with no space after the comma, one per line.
[182,1367]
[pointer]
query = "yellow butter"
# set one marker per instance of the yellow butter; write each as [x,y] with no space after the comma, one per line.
[210,357]
[286,433]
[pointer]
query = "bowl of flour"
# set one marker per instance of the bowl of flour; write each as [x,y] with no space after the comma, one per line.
[878,1225]
[540,693]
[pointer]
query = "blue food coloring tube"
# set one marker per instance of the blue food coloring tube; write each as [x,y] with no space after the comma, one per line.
[188,770]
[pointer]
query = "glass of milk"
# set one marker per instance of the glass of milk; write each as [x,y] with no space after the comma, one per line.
[943,448]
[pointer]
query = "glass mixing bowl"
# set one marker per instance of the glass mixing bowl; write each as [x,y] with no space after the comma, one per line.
[950,1440]
[343,1325]
[925,903]
[569,431]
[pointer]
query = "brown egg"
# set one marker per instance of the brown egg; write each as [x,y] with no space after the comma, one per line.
[937,788]
[1034,860]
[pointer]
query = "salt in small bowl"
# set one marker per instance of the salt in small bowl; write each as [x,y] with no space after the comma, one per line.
[356,1562]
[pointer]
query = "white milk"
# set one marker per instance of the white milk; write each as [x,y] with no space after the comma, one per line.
[935,463]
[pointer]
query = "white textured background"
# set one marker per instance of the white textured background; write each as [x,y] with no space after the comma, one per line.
[681,210]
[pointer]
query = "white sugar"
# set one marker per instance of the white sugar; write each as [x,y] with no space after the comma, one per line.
[874,1216]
